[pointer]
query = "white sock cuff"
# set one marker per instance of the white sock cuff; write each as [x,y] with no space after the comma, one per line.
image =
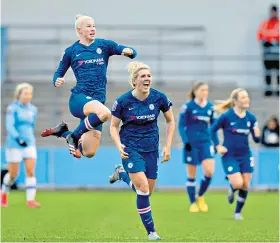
[139,192]
[30,181]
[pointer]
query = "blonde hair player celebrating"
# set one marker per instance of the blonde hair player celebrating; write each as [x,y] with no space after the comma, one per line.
[88,58]
[20,143]
[194,121]
[138,139]
[237,123]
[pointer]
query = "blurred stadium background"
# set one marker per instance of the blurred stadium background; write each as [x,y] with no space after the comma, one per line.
[182,41]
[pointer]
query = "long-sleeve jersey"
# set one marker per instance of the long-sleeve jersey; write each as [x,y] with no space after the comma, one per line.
[269,30]
[236,131]
[139,130]
[89,64]
[20,124]
[194,122]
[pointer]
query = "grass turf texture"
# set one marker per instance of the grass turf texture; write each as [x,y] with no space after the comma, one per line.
[112,216]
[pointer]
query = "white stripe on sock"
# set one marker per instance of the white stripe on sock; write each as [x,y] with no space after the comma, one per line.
[144,210]
[88,126]
[240,199]
[189,183]
[142,193]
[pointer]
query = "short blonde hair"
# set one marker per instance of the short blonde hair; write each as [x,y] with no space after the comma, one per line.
[78,22]
[133,68]
[224,105]
[21,87]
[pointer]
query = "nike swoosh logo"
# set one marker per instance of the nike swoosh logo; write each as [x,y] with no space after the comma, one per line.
[131,108]
[78,54]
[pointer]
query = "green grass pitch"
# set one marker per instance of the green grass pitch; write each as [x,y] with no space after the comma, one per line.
[112,216]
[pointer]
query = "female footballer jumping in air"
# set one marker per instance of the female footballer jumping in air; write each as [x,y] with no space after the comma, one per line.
[237,123]
[88,59]
[138,139]
[194,120]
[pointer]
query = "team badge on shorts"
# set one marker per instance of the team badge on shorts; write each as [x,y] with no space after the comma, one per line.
[151,106]
[230,168]
[98,51]
[189,159]
[130,165]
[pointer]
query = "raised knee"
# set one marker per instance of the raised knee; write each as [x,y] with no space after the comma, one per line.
[89,154]
[106,115]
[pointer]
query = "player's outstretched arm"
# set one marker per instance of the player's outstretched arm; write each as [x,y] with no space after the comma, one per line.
[116,49]
[170,122]
[64,64]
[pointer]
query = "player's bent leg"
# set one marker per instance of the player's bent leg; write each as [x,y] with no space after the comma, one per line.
[96,114]
[208,168]
[31,183]
[89,143]
[97,108]
[242,195]
[191,186]
[236,183]
[8,181]
[143,203]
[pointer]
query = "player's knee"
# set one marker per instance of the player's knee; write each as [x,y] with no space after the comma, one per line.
[209,172]
[105,114]
[89,154]
[237,184]
[245,186]
[144,188]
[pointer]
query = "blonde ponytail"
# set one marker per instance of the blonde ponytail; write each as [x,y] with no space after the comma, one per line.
[223,105]
[133,68]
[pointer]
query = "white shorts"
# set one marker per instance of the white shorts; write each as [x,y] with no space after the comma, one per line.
[17,155]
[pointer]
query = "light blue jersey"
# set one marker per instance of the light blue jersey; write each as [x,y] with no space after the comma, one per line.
[20,123]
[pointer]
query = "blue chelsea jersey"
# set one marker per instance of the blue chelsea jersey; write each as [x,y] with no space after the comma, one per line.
[194,122]
[89,64]
[236,131]
[139,130]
